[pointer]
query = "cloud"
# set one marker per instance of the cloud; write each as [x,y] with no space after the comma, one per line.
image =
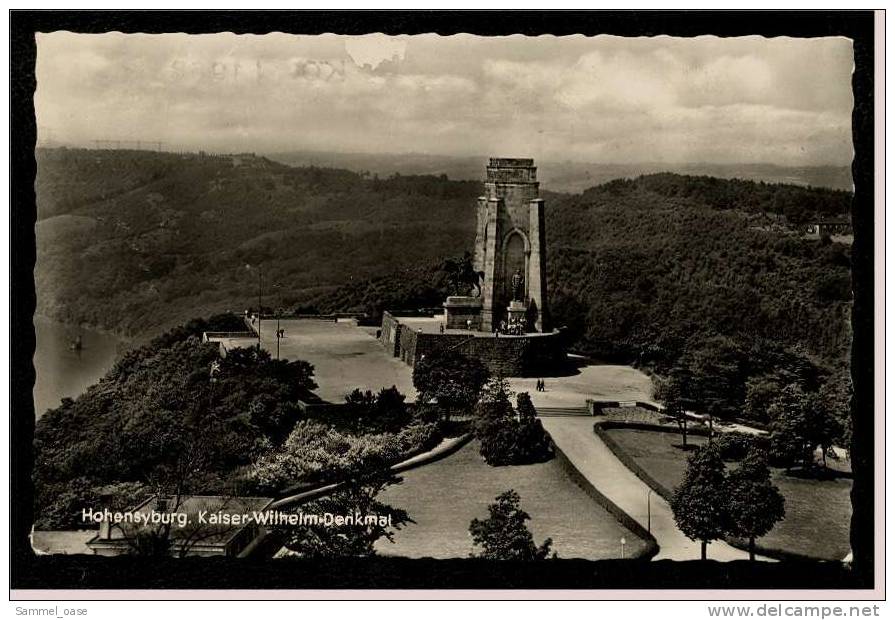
[375,49]
[604,99]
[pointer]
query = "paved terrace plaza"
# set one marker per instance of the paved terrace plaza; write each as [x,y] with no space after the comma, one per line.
[346,356]
[595,381]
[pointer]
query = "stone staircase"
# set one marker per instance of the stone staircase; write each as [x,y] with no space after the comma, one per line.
[556,412]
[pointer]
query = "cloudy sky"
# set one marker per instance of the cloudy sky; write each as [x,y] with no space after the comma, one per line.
[597,99]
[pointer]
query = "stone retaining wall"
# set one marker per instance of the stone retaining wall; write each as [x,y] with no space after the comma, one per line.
[510,356]
[390,334]
[652,546]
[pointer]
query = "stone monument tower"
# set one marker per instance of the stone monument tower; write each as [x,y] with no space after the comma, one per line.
[510,248]
[504,289]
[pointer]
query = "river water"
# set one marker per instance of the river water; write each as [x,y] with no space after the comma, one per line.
[63,372]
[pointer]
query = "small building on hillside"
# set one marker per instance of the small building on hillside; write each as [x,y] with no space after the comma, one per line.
[61,542]
[828,228]
[197,525]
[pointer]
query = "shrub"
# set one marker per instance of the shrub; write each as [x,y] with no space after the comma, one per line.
[510,437]
[425,413]
[418,438]
[504,535]
[734,446]
[385,411]
[318,453]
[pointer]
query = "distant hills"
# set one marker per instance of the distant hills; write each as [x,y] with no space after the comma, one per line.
[568,176]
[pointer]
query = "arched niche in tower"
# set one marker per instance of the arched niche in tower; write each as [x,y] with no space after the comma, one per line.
[515,251]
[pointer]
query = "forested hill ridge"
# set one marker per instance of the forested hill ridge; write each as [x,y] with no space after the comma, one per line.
[136,242]
[639,267]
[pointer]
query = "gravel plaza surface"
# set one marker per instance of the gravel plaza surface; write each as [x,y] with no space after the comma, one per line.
[344,356]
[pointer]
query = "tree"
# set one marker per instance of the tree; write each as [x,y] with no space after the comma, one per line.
[508,437]
[823,428]
[356,498]
[760,394]
[790,442]
[699,503]
[390,410]
[384,411]
[504,534]
[162,419]
[715,377]
[360,401]
[154,542]
[755,505]
[532,443]
[802,422]
[450,378]
[735,445]
[494,402]
[779,366]
[670,394]
[525,409]
[176,537]
[494,423]
[837,392]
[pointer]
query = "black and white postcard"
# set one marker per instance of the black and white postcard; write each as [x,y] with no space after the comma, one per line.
[403,308]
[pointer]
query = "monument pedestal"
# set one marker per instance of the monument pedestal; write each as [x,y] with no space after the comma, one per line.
[516,318]
[463,312]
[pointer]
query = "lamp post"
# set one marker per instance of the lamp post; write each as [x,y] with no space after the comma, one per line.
[259,308]
[259,302]
[623,542]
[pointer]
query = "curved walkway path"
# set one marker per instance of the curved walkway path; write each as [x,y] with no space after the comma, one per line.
[596,462]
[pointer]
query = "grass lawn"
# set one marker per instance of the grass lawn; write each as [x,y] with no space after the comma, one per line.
[443,497]
[818,512]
